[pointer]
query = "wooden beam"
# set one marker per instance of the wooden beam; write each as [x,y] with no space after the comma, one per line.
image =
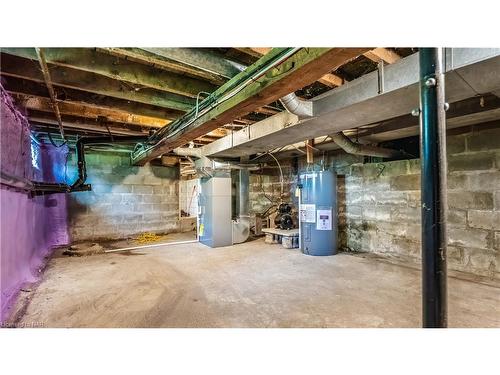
[310,151]
[88,111]
[243,121]
[13,66]
[37,119]
[267,110]
[89,60]
[330,79]
[200,59]
[254,51]
[297,71]
[40,54]
[384,54]
[31,88]
[218,133]
[160,62]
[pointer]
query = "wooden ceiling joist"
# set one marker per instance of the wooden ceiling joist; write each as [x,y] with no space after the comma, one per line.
[200,59]
[299,70]
[31,88]
[267,110]
[254,51]
[333,80]
[384,54]
[13,66]
[89,60]
[144,57]
[88,111]
[48,123]
[329,79]
[40,54]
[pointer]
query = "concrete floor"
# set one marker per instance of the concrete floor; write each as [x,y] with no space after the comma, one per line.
[247,285]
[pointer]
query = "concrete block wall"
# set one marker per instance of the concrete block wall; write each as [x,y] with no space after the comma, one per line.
[188,196]
[125,200]
[267,184]
[379,204]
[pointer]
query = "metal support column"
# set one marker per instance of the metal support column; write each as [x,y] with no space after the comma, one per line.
[433,188]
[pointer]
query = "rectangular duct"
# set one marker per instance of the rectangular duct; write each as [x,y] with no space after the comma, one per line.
[470,72]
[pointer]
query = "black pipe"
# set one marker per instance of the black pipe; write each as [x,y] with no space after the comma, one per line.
[433,187]
[80,153]
[42,188]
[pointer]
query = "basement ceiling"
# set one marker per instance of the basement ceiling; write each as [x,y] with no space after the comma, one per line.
[138,90]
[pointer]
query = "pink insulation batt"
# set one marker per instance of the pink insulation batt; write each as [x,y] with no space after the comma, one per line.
[30,227]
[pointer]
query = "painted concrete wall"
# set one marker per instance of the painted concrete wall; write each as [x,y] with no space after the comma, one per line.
[379,204]
[30,227]
[125,200]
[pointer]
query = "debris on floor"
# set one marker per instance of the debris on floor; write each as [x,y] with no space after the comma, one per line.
[84,249]
[148,237]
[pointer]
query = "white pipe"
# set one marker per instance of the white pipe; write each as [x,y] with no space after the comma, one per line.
[148,246]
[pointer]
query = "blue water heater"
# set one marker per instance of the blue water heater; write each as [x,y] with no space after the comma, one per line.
[318,213]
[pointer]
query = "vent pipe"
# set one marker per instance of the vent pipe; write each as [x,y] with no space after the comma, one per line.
[355,148]
[297,106]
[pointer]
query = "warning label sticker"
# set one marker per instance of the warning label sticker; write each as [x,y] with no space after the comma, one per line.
[308,213]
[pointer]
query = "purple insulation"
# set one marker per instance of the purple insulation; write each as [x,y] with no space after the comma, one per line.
[30,227]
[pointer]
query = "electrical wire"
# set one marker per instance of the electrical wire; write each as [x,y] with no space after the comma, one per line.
[197,101]
[211,102]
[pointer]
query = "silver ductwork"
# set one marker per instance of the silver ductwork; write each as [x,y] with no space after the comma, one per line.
[355,148]
[208,167]
[297,106]
[371,99]
[186,151]
[241,225]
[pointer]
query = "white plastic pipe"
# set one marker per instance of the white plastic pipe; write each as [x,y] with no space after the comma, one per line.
[148,246]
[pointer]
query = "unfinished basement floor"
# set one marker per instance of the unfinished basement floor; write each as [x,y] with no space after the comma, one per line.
[247,285]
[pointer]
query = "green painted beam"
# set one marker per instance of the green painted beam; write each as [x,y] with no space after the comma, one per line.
[89,82]
[160,62]
[89,60]
[200,59]
[298,70]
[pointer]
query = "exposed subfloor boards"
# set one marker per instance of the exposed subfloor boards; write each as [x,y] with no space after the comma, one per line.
[246,285]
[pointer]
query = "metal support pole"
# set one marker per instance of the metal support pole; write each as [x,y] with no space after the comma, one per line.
[433,188]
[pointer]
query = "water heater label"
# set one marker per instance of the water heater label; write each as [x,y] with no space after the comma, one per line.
[308,213]
[324,219]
